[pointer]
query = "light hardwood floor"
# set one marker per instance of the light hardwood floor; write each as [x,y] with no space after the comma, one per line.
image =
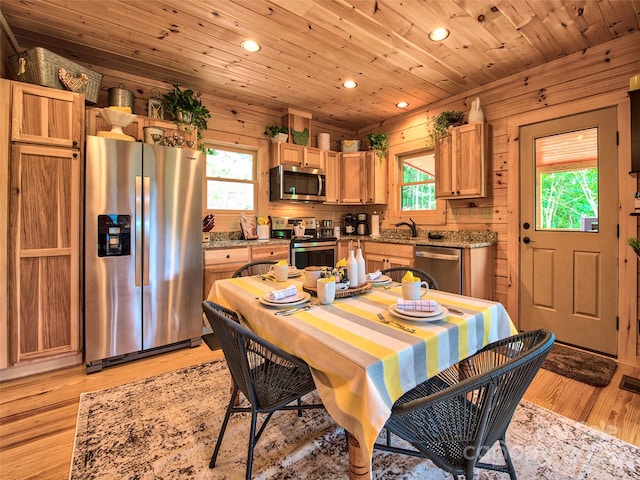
[38,413]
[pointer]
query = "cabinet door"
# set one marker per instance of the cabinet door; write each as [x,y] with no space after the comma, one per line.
[374,262]
[469,161]
[444,167]
[314,158]
[353,178]
[46,116]
[286,154]
[270,252]
[332,170]
[377,178]
[44,251]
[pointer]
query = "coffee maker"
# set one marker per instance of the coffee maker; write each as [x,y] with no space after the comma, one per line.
[362,224]
[349,224]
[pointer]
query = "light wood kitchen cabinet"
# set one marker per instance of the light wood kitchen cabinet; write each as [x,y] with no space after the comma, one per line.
[379,256]
[46,116]
[363,178]
[43,316]
[461,162]
[332,171]
[221,263]
[283,153]
[270,252]
[353,178]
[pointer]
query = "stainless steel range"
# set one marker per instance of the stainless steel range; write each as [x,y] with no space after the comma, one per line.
[307,249]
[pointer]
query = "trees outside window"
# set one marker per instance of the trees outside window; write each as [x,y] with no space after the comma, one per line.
[230,179]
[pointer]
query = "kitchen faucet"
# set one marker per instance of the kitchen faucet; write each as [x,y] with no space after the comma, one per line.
[412,226]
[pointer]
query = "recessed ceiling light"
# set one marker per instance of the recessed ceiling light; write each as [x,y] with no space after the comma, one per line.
[250,46]
[402,104]
[438,34]
[349,84]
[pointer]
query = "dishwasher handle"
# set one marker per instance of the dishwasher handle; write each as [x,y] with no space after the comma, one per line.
[437,256]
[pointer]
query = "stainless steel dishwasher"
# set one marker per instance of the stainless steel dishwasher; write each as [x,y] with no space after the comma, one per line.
[445,264]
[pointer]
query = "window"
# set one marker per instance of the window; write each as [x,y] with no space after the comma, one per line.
[418,182]
[230,179]
[567,181]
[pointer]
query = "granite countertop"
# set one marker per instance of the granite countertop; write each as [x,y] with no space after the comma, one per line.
[463,239]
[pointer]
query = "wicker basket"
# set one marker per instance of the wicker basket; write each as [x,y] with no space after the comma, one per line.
[42,67]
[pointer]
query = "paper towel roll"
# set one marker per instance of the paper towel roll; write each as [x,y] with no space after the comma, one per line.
[324,141]
[375,225]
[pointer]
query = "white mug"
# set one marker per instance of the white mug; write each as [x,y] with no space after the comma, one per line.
[279,272]
[311,276]
[411,290]
[326,290]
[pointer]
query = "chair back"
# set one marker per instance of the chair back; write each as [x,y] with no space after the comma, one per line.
[265,374]
[254,268]
[471,411]
[396,274]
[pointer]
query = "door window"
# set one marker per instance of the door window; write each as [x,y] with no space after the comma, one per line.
[567,181]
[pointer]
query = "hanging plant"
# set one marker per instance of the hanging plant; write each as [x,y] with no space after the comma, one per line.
[634,243]
[186,108]
[442,122]
[380,143]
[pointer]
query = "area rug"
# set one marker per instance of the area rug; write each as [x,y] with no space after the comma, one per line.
[579,365]
[165,427]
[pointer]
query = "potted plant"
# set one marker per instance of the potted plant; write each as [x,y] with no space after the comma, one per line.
[186,108]
[277,133]
[442,122]
[380,143]
[634,243]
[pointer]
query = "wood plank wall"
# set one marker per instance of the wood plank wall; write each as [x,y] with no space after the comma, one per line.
[588,80]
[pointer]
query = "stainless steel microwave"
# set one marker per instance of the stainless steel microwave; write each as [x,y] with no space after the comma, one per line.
[287,182]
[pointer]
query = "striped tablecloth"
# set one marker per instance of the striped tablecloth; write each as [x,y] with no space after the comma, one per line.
[360,365]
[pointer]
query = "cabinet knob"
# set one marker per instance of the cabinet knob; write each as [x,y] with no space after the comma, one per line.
[75,155]
[228,256]
[75,143]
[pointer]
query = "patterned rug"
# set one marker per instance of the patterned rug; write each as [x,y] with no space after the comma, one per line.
[165,427]
[579,365]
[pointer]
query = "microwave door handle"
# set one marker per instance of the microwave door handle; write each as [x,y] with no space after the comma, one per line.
[320,185]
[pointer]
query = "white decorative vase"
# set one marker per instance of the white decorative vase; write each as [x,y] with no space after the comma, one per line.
[280,137]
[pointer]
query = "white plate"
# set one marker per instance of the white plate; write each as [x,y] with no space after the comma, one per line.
[300,297]
[383,279]
[442,314]
[292,274]
[417,313]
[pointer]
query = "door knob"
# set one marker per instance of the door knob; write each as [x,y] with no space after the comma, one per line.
[527,240]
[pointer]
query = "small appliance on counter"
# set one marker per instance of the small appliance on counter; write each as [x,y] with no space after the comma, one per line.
[362,224]
[349,224]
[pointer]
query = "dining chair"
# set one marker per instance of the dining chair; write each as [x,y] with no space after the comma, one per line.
[254,268]
[396,274]
[269,378]
[454,419]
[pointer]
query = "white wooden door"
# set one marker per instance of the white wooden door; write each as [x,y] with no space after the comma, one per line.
[568,228]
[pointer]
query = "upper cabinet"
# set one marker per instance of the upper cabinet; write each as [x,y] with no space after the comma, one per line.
[297,155]
[46,116]
[332,170]
[363,178]
[461,162]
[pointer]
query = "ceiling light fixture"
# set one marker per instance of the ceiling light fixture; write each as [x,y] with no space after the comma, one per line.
[250,46]
[438,34]
[402,104]
[349,84]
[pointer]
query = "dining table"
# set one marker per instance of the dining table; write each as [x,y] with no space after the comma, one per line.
[361,358]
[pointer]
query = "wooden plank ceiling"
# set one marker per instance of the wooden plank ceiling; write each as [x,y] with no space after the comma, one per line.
[309,47]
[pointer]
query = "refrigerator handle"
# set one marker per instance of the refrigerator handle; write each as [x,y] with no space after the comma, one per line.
[138,223]
[146,238]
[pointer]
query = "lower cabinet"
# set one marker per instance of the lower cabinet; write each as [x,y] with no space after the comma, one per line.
[379,256]
[270,252]
[221,263]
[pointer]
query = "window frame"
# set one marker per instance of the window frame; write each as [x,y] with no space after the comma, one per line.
[395,213]
[254,152]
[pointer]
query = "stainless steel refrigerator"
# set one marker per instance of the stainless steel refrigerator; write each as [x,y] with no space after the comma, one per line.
[142,250]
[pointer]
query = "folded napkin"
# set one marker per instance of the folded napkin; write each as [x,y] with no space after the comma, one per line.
[417,305]
[374,276]
[409,277]
[290,291]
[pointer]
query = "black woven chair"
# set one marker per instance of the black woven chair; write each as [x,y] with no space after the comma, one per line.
[454,418]
[268,377]
[396,274]
[254,268]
